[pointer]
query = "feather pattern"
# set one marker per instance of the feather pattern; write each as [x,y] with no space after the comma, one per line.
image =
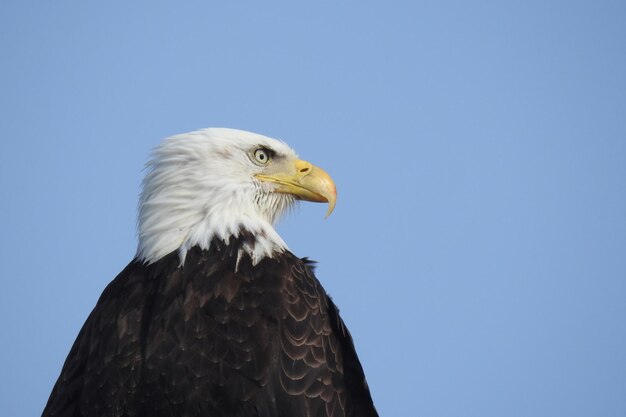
[203,340]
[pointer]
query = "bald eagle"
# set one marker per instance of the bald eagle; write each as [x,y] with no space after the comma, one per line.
[215,316]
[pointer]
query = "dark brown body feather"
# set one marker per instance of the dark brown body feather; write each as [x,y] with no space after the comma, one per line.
[204,340]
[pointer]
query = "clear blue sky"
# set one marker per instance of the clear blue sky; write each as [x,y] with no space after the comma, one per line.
[478,248]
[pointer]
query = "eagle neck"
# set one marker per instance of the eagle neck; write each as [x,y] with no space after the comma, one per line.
[256,243]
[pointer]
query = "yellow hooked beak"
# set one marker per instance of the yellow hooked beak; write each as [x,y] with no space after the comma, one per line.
[308,183]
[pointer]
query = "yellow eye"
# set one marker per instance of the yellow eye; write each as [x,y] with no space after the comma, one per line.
[261,156]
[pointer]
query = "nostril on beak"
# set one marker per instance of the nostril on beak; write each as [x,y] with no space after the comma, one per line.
[304,169]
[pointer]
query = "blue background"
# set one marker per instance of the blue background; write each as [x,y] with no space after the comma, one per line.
[478,248]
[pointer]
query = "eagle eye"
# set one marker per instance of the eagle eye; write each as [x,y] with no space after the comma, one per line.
[261,156]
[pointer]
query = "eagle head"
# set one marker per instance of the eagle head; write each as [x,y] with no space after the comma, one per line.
[216,183]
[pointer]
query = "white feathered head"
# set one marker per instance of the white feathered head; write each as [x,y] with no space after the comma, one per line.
[215,183]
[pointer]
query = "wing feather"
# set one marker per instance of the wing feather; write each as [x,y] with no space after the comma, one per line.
[218,336]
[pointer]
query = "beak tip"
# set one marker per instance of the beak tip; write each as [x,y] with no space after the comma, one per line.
[331,206]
